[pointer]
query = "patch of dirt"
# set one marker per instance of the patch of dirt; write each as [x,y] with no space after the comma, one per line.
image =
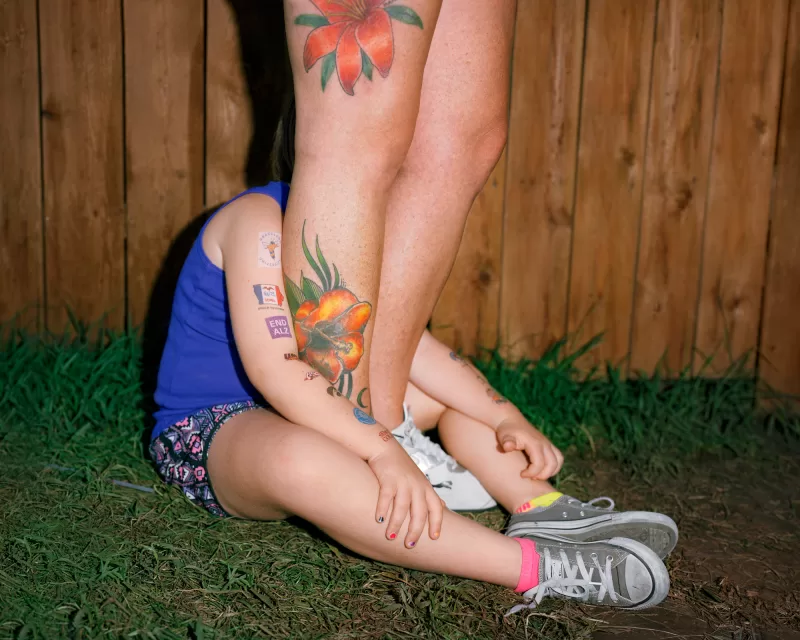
[736,571]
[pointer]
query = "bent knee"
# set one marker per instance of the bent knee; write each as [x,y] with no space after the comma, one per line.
[465,152]
[300,457]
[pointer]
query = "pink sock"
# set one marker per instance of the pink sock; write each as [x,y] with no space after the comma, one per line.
[529,574]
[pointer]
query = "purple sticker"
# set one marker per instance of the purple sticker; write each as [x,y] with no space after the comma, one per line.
[279,327]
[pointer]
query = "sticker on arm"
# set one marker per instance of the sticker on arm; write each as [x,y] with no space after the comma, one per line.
[278,327]
[268,295]
[269,249]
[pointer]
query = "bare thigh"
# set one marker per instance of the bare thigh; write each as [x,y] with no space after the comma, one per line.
[241,464]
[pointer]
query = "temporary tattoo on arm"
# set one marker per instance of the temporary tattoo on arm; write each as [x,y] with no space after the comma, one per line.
[269,249]
[457,358]
[329,321]
[278,327]
[495,397]
[290,356]
[268,296]
[310,375]
[385,435]
[353,37]
[362,417]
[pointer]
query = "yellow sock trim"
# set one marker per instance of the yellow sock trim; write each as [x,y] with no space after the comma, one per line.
[542,501]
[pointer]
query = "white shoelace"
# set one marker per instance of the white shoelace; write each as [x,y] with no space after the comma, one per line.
[562,578]
[594,501]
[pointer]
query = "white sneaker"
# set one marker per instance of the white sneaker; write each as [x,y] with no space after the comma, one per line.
[460,490]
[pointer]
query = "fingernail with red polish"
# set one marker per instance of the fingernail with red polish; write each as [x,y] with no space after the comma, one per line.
[392,536]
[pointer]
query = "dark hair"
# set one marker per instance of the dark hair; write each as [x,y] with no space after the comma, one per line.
[282,161]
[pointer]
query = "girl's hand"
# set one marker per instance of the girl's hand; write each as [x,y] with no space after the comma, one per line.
[405,491]
[518,435]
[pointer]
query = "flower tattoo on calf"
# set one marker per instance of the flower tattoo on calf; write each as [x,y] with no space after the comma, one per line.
[329,322]
[354,37]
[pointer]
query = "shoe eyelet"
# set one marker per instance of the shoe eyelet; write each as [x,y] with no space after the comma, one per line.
[565,515]
[594,555]
[609,558]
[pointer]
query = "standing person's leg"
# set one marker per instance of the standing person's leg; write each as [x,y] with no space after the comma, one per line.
[357,68]
[460,133]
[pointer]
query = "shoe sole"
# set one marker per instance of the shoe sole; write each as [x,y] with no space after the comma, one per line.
[656,531]
[655,567]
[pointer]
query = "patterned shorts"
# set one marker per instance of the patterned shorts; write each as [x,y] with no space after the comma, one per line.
[180,452]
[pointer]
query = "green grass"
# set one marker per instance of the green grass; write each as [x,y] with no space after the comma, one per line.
[82,557]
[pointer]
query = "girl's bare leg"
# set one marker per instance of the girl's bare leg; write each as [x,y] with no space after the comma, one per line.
[475,447]
[265,468]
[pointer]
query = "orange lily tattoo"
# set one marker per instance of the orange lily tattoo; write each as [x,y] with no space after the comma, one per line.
[353,36]
[329,322]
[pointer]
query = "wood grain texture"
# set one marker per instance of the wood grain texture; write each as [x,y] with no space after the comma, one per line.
[676,182]
[619,47]
[779,364]
[740,183]
[545,97]
[164,51]
[229,126]
[20,165]
[465,317]
[81,50]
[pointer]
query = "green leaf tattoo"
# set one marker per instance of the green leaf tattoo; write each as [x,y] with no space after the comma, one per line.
[311,289]
[328,66]
[326,281]
[294,295]
[311,20]
[366,65]
[404,14]
[310,258]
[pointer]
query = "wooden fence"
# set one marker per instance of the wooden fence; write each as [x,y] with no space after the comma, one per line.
[650,189]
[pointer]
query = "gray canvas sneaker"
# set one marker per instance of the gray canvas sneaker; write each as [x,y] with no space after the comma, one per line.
[616,573]
[587,522]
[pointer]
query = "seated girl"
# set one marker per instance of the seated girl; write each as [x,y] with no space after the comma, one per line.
[249,429]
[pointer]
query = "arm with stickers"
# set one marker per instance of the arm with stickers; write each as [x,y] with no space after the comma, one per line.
[457,384]
[262,329]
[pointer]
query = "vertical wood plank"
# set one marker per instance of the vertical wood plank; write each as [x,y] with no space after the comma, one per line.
[465,316]
[164,51]
[779,365]
[740,184]
[81,50]
[619,45]
[545,98]
[228,120]
[20,165]
[676,182]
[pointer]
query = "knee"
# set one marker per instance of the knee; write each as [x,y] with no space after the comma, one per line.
[369,149]
[298,458]
[465,151]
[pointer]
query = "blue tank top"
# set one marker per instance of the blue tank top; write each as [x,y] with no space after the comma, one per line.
[200,366]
